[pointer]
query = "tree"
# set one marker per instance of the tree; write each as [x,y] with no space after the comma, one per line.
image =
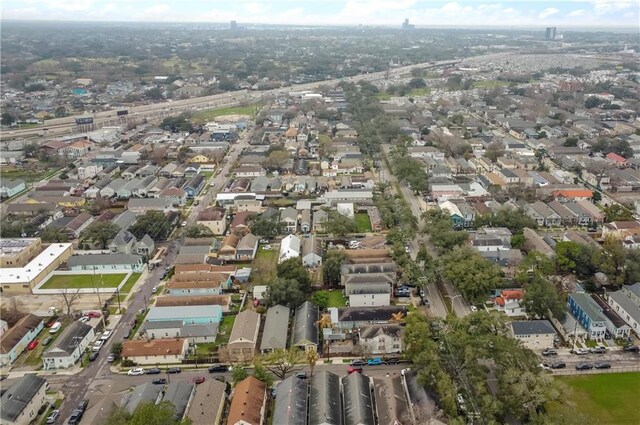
[632,267]
[281,362]
[515,221]
[471,273]
[54,234]
[238,373]
[331,265]
[617,212]
[312,358]
[177,124]
[339,224]
[265,227]
[293,269]
[153,223]
[540,297]
[262,373]
[7,119]
[610,260]
[321,299]
[276,160]
[567,253]
[528,391]
[570,142]
[12,312]
[534,265]
[69,298]
[101,233]
[285,292]
[198,231]
[494,151]
[116,349]
[162,413]
[411,171]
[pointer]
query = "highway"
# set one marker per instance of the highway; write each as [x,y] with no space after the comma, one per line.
[67,125]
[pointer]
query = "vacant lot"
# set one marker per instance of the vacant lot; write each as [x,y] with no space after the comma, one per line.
[84,281]
[606,398]
[208,115]
[363,222]
[264,265]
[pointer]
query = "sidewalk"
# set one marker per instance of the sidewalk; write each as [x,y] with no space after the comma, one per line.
[74,370]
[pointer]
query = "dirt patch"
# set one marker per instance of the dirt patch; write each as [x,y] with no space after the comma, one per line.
[39,304]
[232,118]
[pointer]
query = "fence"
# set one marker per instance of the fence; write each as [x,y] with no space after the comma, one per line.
[616,369]
[58,291]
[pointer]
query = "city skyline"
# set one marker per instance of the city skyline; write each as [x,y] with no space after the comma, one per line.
[578,13]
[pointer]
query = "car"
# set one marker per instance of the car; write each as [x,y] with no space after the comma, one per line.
[174,370]
[159,381]
[111,358]
[106,335]
[83,405]
[154,371]
[136,371]
[473,308]
[97,345]
[302,375]
[184,224]
[93,314]
[55,328]
[558,365]
[550,352]
[94,355]
[75,417]
[357,362]
[632,348]
[154,289]
[599,350]
[581,351]
[218,368]
[267,247]
[51,419]
[602,365]
[461,402]
[353,369]
[584,366]
[392,361]
[198,380]
[263,241]
[33,344]
[84,319]
[375,362]
[47,341]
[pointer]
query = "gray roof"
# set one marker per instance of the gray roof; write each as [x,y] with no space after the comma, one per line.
[289,213]
[68,341]
[198,330]
[375,330]
[324,399]
[125,219]
[358,406]
[245,327]
[635,288]
[627,304]
[178,393]
[276,328]
[588,306]
[151,203]
[103,259]
[173,312]
[207,402]
[164,324]
[18,396]
[532,327]
[305,326]
[291,402]
[144,393]
[11,184]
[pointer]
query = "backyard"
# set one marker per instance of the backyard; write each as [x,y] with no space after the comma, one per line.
[224,331]
[79,281]
[264,265]
[363,223]
[606,398]
[334,298]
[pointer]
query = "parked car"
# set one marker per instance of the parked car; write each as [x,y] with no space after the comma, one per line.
[598,350]
[584,366]
[266,247]
[263,241]
[174,370]
[198,380]
[375,362]
[94,355]
[392,361]
[93,314]
[154,371]
[159,381]
[97,345]
[581,351]
[558,365]
[111,358]
[136,371]
[83,405]
[473,308]
[218,368]
[106,335]
[352,369]
[301,375]
[154,289]
[550,352]
[84,319]
[632,348]
[357,362]
[33,344]
[51,419]
[602,365]
[55,327]
[47,341]
[461,402]
[75,417]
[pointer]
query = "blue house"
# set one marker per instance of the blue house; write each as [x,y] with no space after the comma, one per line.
[199,314]
[588,313]
[14,341]
[194,185]
[9,188]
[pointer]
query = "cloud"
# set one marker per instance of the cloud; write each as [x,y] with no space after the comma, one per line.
[548,12]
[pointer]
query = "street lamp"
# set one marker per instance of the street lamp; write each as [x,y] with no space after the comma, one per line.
[195,348]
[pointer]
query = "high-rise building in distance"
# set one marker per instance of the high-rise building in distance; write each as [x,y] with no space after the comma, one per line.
[551,33]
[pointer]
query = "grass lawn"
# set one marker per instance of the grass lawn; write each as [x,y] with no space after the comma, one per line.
[206,349]
[489,84]
[224,331]
[83,281]
[606,398]
[126,288]
[204,116]
[363,223]
[11,172]
[264,265]
[335,298]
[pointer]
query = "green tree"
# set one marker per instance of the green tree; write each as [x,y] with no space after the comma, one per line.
[616,212]
[471,273]
[54,234]
[293,269]
[276,160]
[331,265]
[102,233]
[7,119]
[515,221]
[534,265]
[321,299]
[528,391]
[285,292]
[162,413]
[567,254]
[153,223]
[438,226]
[281,362]
[198,231]
[541,297]
[262,373]
[177,124]
[339,224]
[610,260]
[632,266]
[238,373]
[412,172]
[265,227]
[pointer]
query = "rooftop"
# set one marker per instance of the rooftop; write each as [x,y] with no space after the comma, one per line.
[532,327]
[324,399]
[206,402]
[154,347]
[10,338]
[35,267]
[14,246]
[248,399]
[291,402]
[18,396]
[276,328]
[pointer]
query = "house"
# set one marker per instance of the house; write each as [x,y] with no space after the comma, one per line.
[534,334]
[145,246]
[509,301]
[248,202]
[213,218]
[289,248]
[207,405]
[291,401]
[173,196]
[15,340]
[305,221]
[244,336]
[320,217]
[382,339]
[375,219]
[588,314]
[228,249]
[178,394]
[240,223]
[289,220]
[573,194]
[626,303]
[194,185]
[542,214]
[122,243]
[369,284]
[192,332]
[106,262]
[621,229]
[357,317]
[192,315]
[358,401]
[457,219]
[141,394]
[10,188]
[247,247]
[325,400]
[248,403]
[69,346]
[276,329]
[311,252]
[21,401]
[156,351]
[616,326]
[305,328]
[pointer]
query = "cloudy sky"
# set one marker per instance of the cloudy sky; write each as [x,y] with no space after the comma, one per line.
[562,13]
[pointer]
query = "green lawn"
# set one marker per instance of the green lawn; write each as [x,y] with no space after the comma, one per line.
[489,84]
[264,265]
[224,331]
[335,298]
[204,116]
[126,288]
[11,172]
[363,222]
[606,398]
[84,281]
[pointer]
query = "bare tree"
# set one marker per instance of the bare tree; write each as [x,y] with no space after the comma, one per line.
[13,312]
[598,169]
[70,298]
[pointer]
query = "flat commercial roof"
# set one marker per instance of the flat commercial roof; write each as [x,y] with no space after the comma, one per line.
[29,272]
[12,246]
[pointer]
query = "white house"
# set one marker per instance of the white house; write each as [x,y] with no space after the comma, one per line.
[9,188]
[289,248]
[15,340]
[382,339]
[534,334]
[156,351]
[69,347]
[22,400]
[624,304]
[106,262]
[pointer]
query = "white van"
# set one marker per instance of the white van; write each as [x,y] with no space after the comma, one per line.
[55,327]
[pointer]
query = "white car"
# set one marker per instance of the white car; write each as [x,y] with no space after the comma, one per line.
[105,335]
[266,247]
[97,346]
[136,371]
[474,308]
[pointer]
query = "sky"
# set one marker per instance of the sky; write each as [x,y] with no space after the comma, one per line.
[508,13]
